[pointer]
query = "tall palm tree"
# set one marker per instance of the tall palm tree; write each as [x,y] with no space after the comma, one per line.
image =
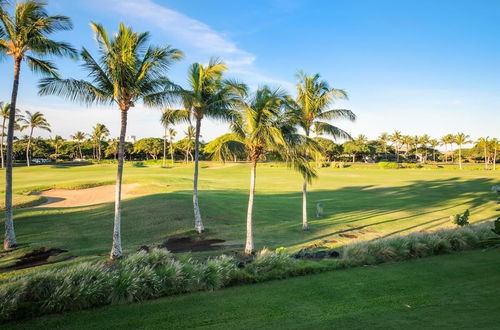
[171,117]
[484,143]
[56,142]
[434,144]
[424,141]
[99,133]
[126,72]
[384,138]
[396,141]
[32,121]
[79,137]
[460,140]
[495,145]
[450,139]
[261,125]
[406,140]
[312,109]
[27,39]
[208,96]
[171,134]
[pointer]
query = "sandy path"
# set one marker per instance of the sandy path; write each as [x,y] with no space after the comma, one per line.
[83,197]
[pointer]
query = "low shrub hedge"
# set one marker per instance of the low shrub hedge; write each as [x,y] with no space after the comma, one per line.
[146,275]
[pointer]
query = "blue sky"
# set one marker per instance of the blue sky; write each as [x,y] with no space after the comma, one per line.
[417,66]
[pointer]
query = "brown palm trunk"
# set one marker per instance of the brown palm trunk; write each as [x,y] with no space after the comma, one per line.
[1,143]
[10,236]
[116,250]
[28,148]
[249,246]
[198,223]
[460,156]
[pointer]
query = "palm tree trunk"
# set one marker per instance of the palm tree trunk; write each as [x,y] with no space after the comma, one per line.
[305,224]
[10,236]
[1,143]
[80,150]
[172,151]
[353,158]
[397,154]
[198,224]
[116,250]
[28,148]
[165,148]
[249,247]
[460,156]
[485,158]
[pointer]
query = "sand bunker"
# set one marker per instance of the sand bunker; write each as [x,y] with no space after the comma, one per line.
[83,197]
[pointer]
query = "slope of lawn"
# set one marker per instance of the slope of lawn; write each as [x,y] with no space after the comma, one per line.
[458,291]
[360,202]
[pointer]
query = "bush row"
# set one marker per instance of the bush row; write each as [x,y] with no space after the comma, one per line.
[147,275]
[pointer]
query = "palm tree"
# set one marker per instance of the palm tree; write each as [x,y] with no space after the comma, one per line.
[384,138]
[32,121]
[424,141]
[461,139]
[99,133]
[434,144]
[56,142]
[261,125]
[126,72]
[484,143]
[4,113]
[171,117]
[449,139]
[26,36]
[79,137]
[190,133]
[171,135]
[406,140]
[396,140]
[495,145]
[312,111]
[209,96]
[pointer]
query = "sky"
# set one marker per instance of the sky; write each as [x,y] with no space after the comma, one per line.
[421,67]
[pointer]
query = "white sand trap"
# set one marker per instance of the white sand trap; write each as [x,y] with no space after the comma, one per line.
[84,197]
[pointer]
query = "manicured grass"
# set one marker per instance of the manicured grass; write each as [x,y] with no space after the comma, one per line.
[458,291]
[364,201]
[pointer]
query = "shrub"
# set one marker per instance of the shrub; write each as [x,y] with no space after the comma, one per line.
[461,219]
[411,165]
[388,165]
[338,165]
[268,261]
[154,259]
[9,299]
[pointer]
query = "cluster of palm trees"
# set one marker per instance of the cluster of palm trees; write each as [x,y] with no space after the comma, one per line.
[128,70]
[423,146]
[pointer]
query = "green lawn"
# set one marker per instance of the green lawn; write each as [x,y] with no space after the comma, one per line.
[362,200]
[458,291]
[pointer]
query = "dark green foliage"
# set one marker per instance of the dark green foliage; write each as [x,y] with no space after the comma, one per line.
[461,219]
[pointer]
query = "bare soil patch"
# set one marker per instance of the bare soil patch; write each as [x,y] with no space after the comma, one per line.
[193,244]
[84,197]
[36,258]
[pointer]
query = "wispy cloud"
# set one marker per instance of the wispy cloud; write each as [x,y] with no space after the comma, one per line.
[193,33]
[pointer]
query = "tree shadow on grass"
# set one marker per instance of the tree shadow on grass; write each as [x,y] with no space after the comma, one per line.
[369,211]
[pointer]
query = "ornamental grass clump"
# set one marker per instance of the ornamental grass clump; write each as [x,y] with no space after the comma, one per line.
[272,263]
[416,245]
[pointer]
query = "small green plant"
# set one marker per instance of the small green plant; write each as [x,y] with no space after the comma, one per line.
[388,165]
[461,219]
[280,250]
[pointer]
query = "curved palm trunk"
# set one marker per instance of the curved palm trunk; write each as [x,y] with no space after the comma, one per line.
[305,224]
[1,143]
[249,247]
[198,224]
[116,250]
[10,236]
[165,149]
[28,147]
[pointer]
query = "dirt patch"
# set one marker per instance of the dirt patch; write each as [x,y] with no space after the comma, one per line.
[37,257]
[193,244]
[84,197]
[348,235]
